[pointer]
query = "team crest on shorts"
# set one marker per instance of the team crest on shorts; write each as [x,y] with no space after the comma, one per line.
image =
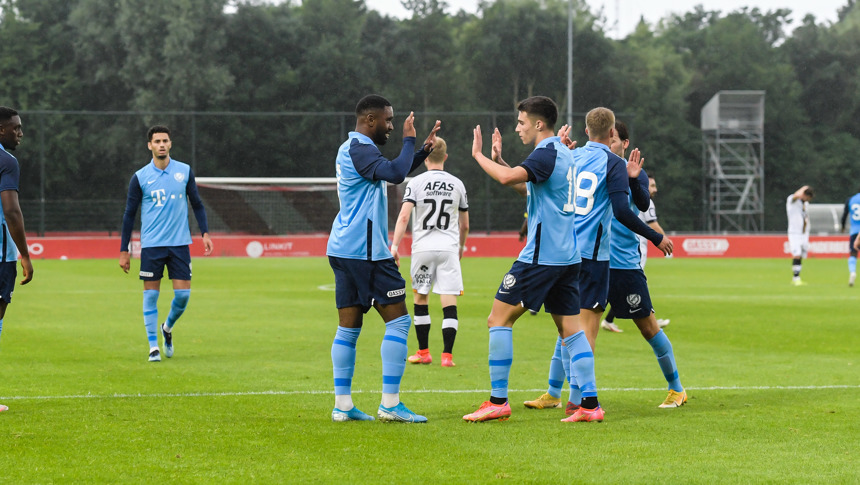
[509,281]
[634,300]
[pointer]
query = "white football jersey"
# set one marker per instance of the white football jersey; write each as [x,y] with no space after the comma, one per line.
[438,197]
[798,217]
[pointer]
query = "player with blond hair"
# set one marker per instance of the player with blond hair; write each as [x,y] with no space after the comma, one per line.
[439,230]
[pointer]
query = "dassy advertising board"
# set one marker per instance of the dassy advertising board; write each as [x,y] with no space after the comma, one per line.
[479,245]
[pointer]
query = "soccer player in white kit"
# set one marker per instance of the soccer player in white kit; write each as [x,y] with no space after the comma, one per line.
[439,231]
[798,228]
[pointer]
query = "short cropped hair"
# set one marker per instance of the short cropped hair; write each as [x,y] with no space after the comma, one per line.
[599,121]
[157,129]
[371,102]
[621,128]
[6,114]
[542,107]
[809,192]
[440,149]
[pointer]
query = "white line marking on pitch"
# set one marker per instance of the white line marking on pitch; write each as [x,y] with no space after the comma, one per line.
[408,391]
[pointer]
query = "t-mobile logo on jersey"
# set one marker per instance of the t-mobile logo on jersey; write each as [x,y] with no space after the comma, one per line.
[159,196]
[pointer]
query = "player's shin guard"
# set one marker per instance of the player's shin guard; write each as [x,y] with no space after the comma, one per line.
[575,393]
[501,356]
[556,372]
[177,307]
[796,266]
[582,364]
[422,326]
[393,351]
[449,328]
[666,358]
[343,359]
[150,316]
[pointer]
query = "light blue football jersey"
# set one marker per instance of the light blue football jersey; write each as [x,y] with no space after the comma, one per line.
[852,208]
[10,174]
[552,234]
[360,230]
[599,172]
[624,252]
[164,208]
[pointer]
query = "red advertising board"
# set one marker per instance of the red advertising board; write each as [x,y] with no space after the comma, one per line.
[478,245]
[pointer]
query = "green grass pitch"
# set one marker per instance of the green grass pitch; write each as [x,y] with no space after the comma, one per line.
[771,369]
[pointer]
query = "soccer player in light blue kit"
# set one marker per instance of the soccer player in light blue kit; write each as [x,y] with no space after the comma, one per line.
[163,188]
[603,182]
[13,237]
[365,273]
[546,271]
[852,208]
[628,287]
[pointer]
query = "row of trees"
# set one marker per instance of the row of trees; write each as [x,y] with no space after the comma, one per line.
[299,60]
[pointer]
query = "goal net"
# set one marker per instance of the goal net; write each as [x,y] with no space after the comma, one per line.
[825,219]
[277,205]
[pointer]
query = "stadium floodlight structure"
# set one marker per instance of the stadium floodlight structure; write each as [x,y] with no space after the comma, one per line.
[733,161]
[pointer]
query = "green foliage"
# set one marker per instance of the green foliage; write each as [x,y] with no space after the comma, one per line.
[203,56]
[248,395]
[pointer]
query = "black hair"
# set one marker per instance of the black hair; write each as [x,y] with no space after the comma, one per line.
[809,192]
[621,128]
[6,114]
[157,129]
[542,107]
[371,102]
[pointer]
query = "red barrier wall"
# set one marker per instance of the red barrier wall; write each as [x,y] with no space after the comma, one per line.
[496,245]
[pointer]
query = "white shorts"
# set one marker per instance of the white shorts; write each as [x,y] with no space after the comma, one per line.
[798,244]
[439,269]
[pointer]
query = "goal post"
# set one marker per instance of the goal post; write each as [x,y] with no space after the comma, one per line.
[277,205]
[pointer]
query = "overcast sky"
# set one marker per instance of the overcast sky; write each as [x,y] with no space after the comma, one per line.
[627,12]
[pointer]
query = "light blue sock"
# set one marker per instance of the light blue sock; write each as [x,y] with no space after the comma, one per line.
[557,372]
[150,316]
[666,358]
[582,363]
[1,325]
[575,392]
[394,351]
[177,306]
[501,357]
[852,264]
[343,359]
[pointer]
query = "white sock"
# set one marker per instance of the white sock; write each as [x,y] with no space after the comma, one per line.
[152,349]
[164,328]
[390,400]
[343,402]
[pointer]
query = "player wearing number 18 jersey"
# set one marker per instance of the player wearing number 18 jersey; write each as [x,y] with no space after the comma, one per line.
[546,272]
[603,181]
[439,232]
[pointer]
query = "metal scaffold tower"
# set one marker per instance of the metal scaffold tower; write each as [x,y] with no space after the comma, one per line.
[733,161]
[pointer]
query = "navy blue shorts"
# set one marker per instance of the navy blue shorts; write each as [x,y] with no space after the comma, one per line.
[8,273]
[628,293]
[594,284]
[533,285]
[359,282]
[851,250]
[176,258]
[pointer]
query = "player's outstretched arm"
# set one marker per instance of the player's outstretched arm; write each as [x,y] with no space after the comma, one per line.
[15,224]
[409,125]
[501,173]
[430,141]
[564,135]
[400,229]
[634,163]
[496,153]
